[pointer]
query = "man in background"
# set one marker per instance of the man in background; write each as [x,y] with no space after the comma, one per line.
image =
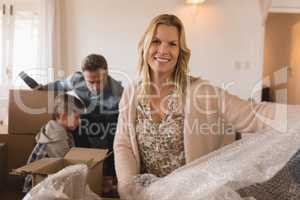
[100,94]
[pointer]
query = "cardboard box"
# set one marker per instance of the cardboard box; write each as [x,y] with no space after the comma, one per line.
[29,110]
[3,164]
[40,169]
[19,148]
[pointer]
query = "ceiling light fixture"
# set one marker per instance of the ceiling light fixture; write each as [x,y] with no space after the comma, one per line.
[194,2]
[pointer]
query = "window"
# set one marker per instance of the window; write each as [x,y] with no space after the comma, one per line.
[27,32]
[20,34]
[2,46]
[26,37]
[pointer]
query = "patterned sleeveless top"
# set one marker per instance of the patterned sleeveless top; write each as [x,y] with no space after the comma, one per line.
[161,143]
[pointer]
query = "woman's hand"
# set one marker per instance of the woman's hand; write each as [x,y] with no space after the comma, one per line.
[134,189]
[144,180]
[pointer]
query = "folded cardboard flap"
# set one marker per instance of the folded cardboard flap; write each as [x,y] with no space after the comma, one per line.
[91,157]
[42,166]
[76,155]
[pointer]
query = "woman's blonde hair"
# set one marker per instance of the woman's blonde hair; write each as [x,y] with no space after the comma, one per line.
[179,77]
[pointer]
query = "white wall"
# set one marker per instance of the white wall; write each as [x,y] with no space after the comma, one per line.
[225,36]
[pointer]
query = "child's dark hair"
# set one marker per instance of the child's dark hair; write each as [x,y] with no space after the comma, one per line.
[93,62]
[65,103]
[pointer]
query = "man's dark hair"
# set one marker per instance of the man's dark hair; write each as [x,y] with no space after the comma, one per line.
[65,103]
[93,62]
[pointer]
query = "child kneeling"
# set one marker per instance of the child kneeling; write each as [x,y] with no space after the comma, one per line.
[55,138]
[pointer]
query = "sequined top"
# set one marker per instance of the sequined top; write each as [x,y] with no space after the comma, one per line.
[161,144]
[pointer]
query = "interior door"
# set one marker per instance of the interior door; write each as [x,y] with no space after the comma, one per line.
[282,56]
[294,78]
[277,55]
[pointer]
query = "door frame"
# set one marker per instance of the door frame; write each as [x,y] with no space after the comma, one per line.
[284,7]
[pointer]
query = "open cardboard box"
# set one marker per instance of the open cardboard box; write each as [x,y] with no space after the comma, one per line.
[94,158]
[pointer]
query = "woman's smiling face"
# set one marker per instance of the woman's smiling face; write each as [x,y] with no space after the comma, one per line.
[164,50]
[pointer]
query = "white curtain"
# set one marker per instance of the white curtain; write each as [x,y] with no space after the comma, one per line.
[50,40]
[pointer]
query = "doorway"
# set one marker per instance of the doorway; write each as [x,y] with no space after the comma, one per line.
[281,68]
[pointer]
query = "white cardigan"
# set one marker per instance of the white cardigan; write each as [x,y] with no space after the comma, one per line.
[206,110]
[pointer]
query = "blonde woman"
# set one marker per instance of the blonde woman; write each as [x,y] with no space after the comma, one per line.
[169,119]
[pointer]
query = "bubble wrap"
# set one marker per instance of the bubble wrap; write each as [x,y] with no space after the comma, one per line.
[69,183]
[265,166]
